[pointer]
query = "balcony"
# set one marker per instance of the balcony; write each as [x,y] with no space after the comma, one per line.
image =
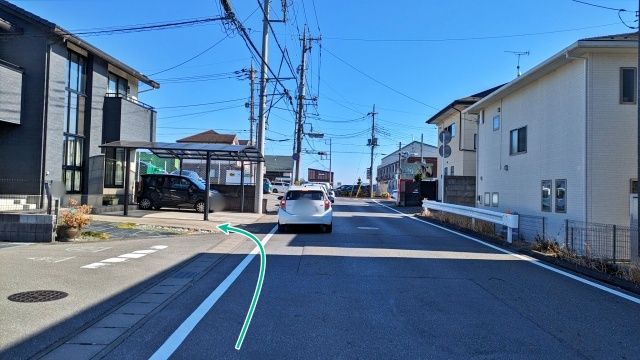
[126,118]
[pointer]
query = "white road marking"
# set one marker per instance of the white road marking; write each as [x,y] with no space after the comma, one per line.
[526,258]
[94,265]
[177,337]
[51,260]
[368,228]
[122,258]
[132,256]
[92,249]
[144,252]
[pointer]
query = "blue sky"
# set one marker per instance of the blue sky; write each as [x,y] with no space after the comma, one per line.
[431,51]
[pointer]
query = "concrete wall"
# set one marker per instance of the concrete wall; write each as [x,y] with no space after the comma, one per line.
[553,110]
[27,227]
[460,190]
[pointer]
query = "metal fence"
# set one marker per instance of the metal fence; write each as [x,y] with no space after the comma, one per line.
[598,241]
[531,228]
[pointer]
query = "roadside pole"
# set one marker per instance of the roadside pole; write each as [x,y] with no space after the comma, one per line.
[261,111]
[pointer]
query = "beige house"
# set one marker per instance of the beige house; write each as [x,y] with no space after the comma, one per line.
[561,140]
[463,128]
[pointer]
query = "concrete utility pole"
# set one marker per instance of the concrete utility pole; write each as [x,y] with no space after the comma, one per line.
[638,141]
[373,143]
[252,118]
[299,120]
[399,164]
[263,105]
[330,171]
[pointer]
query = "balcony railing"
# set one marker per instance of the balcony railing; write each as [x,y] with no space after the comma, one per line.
[129,98]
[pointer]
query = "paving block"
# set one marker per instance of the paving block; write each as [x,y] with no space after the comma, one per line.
[97,336]
[119,320]
[80,352]
[137,308]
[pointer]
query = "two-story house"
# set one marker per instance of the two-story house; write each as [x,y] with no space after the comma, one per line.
[463,131]
[60,99]
[560,141]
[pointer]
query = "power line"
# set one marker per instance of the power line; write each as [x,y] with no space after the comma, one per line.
[199,104]
[598,6]
[470,38]
[380,82]
[192,58]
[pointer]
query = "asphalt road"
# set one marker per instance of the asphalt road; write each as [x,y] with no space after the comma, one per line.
[383,286]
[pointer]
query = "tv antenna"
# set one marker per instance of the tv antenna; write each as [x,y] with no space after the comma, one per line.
[518,54]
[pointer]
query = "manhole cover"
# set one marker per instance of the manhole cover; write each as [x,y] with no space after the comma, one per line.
[37,296]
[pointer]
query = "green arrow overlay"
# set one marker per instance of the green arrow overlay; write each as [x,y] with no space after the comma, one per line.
[227,228]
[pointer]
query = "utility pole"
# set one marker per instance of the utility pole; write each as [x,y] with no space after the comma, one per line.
[261,109]
[330,172]
[299,120]
[373,142]
[421,142]
[399,164]
[252,118]
[637,224]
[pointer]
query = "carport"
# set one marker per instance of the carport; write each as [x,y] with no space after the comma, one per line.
[197,151]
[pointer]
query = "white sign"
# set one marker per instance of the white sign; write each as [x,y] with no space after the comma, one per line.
[233,177]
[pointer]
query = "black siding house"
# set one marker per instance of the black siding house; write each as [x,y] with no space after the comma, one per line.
[60,99]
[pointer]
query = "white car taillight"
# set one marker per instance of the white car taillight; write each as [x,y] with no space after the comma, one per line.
[283,203]
[327,204]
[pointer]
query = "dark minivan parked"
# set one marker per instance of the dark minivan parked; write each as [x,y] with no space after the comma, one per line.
[175,191]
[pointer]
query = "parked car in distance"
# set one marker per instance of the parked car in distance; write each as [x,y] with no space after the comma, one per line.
[175,191]
[305,205]
[266,186]
[344,190]
[279,186]
[327,189]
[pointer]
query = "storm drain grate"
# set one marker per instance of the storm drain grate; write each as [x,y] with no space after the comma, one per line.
[37,296]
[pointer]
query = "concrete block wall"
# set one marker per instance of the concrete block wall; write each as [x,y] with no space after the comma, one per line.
[27,227]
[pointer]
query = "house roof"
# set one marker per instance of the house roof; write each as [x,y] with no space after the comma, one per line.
[609,43]
[243,142]
[278,163]
[68,36]
[212,137]
[395,153]
[466,101]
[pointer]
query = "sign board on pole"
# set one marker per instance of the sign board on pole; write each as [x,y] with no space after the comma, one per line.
[444,137]
[444,151]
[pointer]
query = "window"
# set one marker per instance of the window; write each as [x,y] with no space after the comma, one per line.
[487,199]
[451,129]
[482,117]
[452,170]
[496,123]
[518,141]
[117,85]
[475,141]
[114,160]
[446,171]
[546,189]
[73,146]
[634,186]
[494,199]
[561,195]
[628,81]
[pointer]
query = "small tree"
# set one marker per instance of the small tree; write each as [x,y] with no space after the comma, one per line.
[418,176]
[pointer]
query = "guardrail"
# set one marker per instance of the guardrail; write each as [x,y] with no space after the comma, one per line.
[508,220]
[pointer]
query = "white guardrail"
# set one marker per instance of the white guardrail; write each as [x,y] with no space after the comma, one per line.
[508,220]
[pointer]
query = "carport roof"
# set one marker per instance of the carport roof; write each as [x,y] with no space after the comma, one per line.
[193,150]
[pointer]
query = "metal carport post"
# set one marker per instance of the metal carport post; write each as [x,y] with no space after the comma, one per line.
[207,180]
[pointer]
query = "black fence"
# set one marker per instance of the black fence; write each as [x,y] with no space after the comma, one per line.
[606,242]
[531,228]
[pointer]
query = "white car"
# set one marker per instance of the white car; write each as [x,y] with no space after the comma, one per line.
[305,205]
[279,186]
[327,189]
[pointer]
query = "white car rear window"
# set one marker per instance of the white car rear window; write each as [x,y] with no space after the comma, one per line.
[306,195]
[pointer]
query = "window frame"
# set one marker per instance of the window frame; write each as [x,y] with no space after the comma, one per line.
[557,209]
[111,178]
[634,83]
[550,187]
[496,120]
[517,132]
[495,196]
[73,168]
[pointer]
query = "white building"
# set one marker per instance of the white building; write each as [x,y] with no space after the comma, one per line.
[405,163]
[463,129]
[561,140]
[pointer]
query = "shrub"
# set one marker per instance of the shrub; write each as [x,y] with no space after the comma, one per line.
[77,216]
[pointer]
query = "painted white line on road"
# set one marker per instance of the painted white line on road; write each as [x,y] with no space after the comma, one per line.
[525,258]
[368,228]
[132,256]
[51,260]
[124,257]
[144,251]
[91,249]
[94,265]
[177,337]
